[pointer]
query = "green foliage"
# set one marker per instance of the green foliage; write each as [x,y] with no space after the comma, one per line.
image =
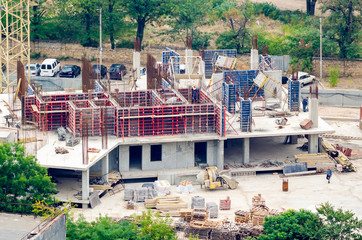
[104,228]
[184,19]
[292,224]
[334,74]
[147,226]
[22,180]
[237,16]
[35,55]
[152,226]
[196,237]
[339,224]
[200,40]
[343,25]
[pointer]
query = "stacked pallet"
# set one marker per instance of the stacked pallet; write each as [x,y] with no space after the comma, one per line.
[200,214]
[114,177]
[166,203]
[186,214]
[312,158]
[225,231]
[257,201]
[258,218]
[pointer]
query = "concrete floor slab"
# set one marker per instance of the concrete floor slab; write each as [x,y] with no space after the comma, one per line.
[15,226]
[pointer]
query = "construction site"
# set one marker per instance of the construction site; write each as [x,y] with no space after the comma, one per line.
[190,114]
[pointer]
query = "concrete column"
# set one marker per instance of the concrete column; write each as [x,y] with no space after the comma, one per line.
[137,63]
[246,150]
[220,155]
[85,186]
[105,167]
[313,143]
[211,152]
[188,61]
[254,59]
[146,156]
[313,111]
[123,158]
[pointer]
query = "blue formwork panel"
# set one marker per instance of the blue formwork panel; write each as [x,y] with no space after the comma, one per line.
[244,80]
[30,90]
[210,57]
[293,95]
[229,97]
[165,83]
[245,114]
[98,87]
[166,55]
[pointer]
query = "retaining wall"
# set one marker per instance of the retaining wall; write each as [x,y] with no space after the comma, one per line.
[347,68]
[337,97]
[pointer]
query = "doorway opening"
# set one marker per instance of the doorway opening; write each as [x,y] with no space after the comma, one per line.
[200,153]
[135,158]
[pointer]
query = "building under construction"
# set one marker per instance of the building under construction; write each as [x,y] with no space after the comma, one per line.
[181,116]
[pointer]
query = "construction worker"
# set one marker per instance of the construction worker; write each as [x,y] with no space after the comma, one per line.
[329,174]
[305,104]
[163,90]
[195,98]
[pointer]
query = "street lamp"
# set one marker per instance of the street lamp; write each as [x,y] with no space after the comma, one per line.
[100,36]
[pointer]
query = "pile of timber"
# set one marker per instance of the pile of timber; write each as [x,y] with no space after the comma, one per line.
[185,183]
[114,177]
[340,159]
[242,216]
[313,158]
[166,203]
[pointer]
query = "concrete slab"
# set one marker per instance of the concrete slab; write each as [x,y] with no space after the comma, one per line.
[15,226]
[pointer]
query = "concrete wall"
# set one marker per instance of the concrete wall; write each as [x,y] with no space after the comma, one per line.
[58,84]
[351,68]
[114,159]
[55,230]
[174,155]
[337,97]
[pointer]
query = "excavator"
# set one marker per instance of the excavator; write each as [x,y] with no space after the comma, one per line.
[211,179]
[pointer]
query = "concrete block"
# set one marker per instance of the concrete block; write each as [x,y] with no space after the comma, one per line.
[306,124]
[295,167]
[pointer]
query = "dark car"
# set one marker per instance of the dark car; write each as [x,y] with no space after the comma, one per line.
[284,79]
[117,71]
[100,73]
[3,67]
[70,71]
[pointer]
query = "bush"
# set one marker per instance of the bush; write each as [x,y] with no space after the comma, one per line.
[227,40]
[200,40]
[125,43]
[334,74]
[35,55]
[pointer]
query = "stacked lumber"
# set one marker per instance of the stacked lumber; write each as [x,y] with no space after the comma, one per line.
[242,216]
[185,183]
[340,159]
[258,218]
[114,177]
[101,187]
[312,158]
[257,201]
[165,203]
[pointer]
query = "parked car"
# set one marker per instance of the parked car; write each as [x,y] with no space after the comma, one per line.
[117,71]
[284,79]
[100,70]
[34,69]
[50,67]
[70,71]
[3,67]
[304,78]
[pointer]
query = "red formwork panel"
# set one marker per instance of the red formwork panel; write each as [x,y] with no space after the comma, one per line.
[29,102]
[166,120]
[110,114]
[84,112]
[135,98]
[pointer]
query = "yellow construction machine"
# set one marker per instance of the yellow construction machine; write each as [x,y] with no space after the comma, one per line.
[211,178]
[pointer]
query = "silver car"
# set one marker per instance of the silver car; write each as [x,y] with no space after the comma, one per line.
[34,69]
[304,78]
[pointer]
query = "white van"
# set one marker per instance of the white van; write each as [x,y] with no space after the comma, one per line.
[49,68]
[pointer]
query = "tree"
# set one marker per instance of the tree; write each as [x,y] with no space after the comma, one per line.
[22,181]
[144,12]
[311,6]
[339,224]
[343,25]
[185,17]
[237,16]
[292,224]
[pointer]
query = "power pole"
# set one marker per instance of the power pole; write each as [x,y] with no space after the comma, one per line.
[100,36]
[320,48]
